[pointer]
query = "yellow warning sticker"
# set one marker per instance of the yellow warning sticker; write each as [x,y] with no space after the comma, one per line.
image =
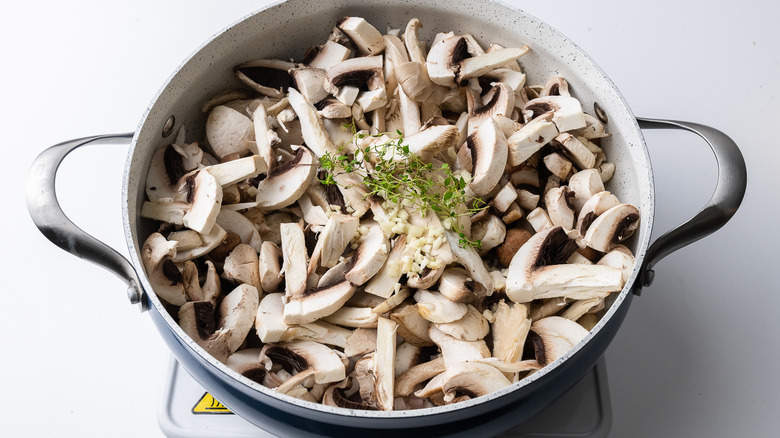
[209,405]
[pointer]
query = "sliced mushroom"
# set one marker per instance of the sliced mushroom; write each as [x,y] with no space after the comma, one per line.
[354,317]
[558,165]
[384,363]
[362,74]
[383,283]
[471,327]
[308,359]
[362,341]
[593,207]
[310,82]
[538,270]
[229,132]
[369,257]
[200,207]
[539,219]
[454,350]
[338,395]
[515,239]
[268,77]
[270,260]
[234,171]
[581,307]
[579,153]
[449,62]
[294,259]
[504,198]
[566,111]
[236,222]
[209,242]
[333,240]
[365,36]
[510,329]
[247,363]
[318,331]
[489,155]
[530,138]
[238,311]
[435,307]
[472,379]
[269,321]
[559,207]
[166,279]
[311,305]
[211,288]
[412,327]
[457,286]
[585,184]
[498,101]
[554,336]
[394,301]
[326,55]
[241,266]
[470,259]
[619,259]
[490,231]
[612,227]
[287,182]
[406,382]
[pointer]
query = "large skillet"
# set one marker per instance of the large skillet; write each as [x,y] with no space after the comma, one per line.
[288,29]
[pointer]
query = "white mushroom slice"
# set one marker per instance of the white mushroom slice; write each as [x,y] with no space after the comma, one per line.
[527,199]
[437,308]
[471,327]
[555,86]
[247,363]
[456,285]
[264,137]
[548,307]
[412,327]
[384,363]
[365,36]
[407,356]
[369,257]
[513,214]
[287,182]
[310,82]
[359,73]
[209,241]
[312,214]
[434,388]
[454,350]
[612,227]
[578,258]
[510,367]
[559,208]
[394,301]
[238,311]
[530,138]
[514,79]
[331,108]
[362,341]
[196,319]
[333,240]
[326,55]
[236,222]
[268,77]
[479,65]
[229,132]
[430,141]
[554,336]
[499,101]
[595,206]
[162,178]
[318,331]
[470,259]
[510,329]
[346,95]
[234,171]
[354,317]
[505,198]
[315,304]
[192,287]
[490,231]
[538,270]
[383,283]
[269,321]
[241,266]
[566,111]
[308,359]
[539,219]
[620,260]
[335,274]
[489,157]
[585,184]
[185,239]
[205,197]
[294,259]
[606,171]
[166,279]
[581,307]
[557,165]
[409,112]
[449,63]
[579,153]
[593,129]
[472,379]
[409,379]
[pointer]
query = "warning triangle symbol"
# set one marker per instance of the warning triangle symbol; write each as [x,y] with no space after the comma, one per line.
[209,405]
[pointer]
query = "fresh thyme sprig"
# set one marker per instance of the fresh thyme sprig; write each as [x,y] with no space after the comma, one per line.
[389,170]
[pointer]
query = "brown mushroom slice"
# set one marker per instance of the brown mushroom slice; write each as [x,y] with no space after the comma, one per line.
[579,153]
[287,182]
[470,259]
[412,327]
[269,77]
[241,266]
[554,336]
[270,260]
[167,281]
[472,379]
[566,111]
[365,36]
[559,207]
[437,308]
[326,55]
[538,270]
[515,239]
[308,359]
[247,363]
[594,207]
[406,382]
[369,257]
[455,350]
[489,156]
[530,138]
[612,227]
[471,327]
[353,317]
[333,240]
[311,305]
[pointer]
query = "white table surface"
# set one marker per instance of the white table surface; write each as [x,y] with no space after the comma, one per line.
[697,355]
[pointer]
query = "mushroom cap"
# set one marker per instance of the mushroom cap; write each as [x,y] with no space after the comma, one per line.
[554,336]
[365,36]
[456,285]
[238,311]
[228,132]
[437,308]
[167,281]
[471,327]
[472,379]
[247,363]
[287,182]
[443,59]
[488,155]
[269,321]
[612,227]
[566,111]
[327,366]
[317,303]
[371,254]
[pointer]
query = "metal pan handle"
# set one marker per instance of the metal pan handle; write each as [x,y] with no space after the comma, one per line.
[729,191]
[48,216]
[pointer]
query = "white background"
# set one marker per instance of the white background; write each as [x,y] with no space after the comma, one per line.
[697,355]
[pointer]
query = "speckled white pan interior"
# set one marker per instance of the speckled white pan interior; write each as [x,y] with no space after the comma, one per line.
[287,29]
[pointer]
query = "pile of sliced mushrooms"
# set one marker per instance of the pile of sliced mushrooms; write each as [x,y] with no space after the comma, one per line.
[330,295]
